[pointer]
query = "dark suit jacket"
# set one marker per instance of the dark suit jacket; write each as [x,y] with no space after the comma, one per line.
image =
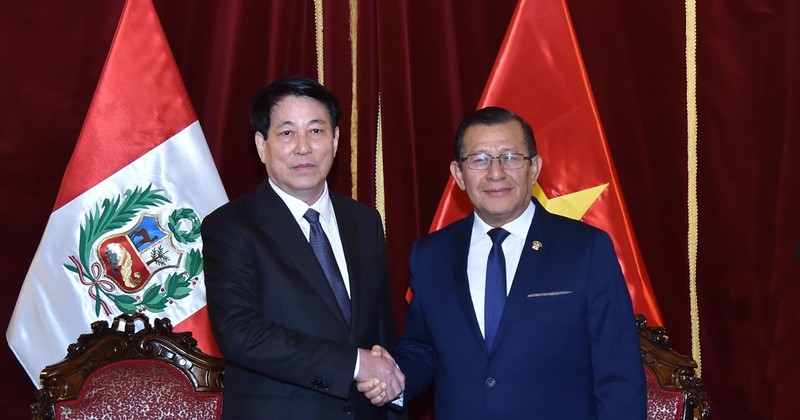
[559,355]
[288,351]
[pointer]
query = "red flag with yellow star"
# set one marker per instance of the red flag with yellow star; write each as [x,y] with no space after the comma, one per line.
[539,74]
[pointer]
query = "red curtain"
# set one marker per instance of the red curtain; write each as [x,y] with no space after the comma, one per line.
[748,179]
[430,60]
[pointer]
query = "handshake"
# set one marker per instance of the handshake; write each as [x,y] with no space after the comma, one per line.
[379,378]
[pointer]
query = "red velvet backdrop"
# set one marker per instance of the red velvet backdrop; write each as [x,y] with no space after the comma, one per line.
[429,61]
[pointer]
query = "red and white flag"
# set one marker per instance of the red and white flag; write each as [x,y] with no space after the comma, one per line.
[539,74]
[124,234]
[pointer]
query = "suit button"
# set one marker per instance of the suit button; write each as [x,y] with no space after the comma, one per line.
[348,409]
[491,382]
[316,383]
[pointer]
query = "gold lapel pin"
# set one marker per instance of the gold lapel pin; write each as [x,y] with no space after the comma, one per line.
[536,245]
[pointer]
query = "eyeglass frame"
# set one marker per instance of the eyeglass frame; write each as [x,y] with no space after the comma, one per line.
[499,158]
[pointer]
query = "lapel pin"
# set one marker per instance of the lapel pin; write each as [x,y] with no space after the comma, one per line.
[536,245]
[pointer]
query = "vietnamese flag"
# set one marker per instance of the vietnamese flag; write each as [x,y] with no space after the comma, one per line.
[124,233]
[539,74]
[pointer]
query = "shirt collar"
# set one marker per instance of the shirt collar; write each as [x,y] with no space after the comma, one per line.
[298,207]
[518,227]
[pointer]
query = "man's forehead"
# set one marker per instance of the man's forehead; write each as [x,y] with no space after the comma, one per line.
[314,121]
[493,136]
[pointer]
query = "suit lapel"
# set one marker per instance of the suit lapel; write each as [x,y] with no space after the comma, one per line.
[461,242]
[279,225]
[349,234]
[529,264]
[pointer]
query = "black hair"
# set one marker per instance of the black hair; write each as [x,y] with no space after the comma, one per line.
[493,115]
[266,98]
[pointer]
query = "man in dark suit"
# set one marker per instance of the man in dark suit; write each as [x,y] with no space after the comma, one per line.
[296,275]
[517,313]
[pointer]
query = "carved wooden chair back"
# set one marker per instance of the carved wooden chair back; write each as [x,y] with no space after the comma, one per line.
[127,372]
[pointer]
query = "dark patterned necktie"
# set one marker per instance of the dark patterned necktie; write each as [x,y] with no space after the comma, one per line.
[495,299]
[322,248]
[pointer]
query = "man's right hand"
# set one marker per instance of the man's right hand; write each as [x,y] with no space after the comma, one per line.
[378,376]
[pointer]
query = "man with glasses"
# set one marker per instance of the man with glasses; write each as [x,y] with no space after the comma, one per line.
[517,313]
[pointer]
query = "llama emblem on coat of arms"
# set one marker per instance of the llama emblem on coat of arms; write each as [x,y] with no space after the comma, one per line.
[126,258]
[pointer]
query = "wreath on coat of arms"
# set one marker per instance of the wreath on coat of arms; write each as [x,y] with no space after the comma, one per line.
[123,270]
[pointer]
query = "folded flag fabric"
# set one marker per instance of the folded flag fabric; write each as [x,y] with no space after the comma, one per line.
[124,234]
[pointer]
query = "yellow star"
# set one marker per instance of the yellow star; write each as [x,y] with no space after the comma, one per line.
[572,205]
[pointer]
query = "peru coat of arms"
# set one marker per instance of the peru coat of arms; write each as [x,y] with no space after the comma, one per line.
[128,259]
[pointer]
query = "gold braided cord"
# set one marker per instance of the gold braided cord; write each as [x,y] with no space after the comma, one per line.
[354,103]
[380,194]
[318,25]
[692,163]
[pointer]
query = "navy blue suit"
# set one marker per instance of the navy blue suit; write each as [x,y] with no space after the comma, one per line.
[566,346]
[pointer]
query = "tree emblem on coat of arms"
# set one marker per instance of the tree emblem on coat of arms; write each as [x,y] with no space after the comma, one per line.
[118,261]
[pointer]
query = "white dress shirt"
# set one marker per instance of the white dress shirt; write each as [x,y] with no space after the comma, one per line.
[327,218]
[479,247]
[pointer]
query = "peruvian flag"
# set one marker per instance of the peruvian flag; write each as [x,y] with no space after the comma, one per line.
[124,234]
[539,74]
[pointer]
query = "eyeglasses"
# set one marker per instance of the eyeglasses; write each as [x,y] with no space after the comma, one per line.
[482,161]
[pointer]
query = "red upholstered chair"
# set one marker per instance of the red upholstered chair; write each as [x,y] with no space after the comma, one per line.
[673,390]
[149,373]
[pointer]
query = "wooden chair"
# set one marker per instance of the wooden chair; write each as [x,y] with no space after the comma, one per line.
[673,390]
[151,372]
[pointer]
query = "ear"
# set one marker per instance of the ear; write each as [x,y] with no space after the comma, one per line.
[455,170]
[335,140]
[261,147]
[536,167]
